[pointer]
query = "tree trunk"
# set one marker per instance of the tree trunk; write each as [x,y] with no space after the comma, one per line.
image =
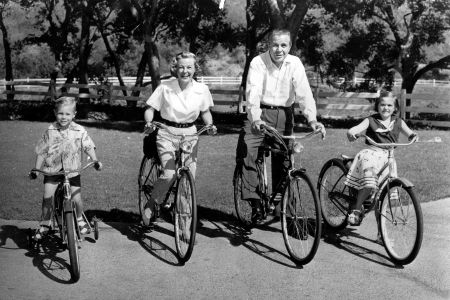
[8,63]
[114,59]
[84,51]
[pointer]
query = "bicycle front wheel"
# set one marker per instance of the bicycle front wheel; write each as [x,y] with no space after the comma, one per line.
[148,174]
[72,243]
[185,215]
[243,207]
[334,195]
[400,222]
[300,218]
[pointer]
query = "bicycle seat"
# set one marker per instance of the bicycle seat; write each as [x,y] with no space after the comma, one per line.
[346,157]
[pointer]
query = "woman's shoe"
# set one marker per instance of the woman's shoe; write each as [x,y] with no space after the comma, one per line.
[354,218]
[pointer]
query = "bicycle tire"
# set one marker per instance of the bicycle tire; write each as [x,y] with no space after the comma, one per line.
[243,207]
[148,174]
[96,232]
[401,222]
[334,194]
[185,216]
[301,218]
[72,244]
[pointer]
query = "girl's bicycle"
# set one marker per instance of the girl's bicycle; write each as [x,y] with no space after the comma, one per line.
[397,210]
[300,208]
[64,220]
[181,192]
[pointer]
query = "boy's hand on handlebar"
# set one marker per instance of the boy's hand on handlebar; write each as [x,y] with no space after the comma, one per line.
[98,165]
[318,127]
[212,130]
[32,175]
[256,126]
[149,128]
[413,137]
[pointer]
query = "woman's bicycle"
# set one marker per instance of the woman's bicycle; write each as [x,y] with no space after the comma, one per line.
[64,220]
[397,210]
[300,208]
[181,192]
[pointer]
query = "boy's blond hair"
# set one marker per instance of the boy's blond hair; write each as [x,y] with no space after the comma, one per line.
[66,101]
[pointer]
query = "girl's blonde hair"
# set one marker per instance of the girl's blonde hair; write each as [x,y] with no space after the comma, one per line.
[65,101]
[181,55]
[388,94]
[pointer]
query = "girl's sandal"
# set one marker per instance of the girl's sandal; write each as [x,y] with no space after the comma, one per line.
[41,232]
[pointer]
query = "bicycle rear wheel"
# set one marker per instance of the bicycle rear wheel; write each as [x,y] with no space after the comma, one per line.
[401,222]
[300,218]
[185,216]
[148,174]
[334,195]
[243,207]
[72,243]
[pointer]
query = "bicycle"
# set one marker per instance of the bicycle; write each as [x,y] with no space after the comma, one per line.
[300,208]
[395,204]
[64,220]
[181,192]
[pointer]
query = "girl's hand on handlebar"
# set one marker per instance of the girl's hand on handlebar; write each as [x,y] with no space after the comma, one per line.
[352,137]
[32,175]
[149,128]
[98,165]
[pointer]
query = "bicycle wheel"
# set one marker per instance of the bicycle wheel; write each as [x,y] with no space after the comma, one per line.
[243,207]
[185,216]
[400,223]
[334,195]
[148,174]
[72,244]
[300,218]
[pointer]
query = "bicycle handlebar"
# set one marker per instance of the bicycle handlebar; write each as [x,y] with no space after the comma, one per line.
[387,145]
[292,137]
[64,172]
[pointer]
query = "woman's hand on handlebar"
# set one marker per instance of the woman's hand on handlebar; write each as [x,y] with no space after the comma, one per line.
[32,175]
[149,128]
[258,126]
[98,165]
[318,127]
[212,130]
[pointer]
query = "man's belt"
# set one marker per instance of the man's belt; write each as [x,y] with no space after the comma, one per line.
[175,124]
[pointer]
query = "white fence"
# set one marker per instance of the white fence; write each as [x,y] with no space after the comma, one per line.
[225,80]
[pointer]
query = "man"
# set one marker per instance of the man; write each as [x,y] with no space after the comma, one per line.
[276,80]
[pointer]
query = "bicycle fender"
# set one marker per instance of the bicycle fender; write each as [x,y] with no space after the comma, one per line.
[297,172]
[405,182]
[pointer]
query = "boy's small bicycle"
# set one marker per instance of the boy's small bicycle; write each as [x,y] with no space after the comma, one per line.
[64,220]
[397,210]
[181,194]
[300,208]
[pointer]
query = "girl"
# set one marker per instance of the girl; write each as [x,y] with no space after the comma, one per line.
[383,127]
[180,101]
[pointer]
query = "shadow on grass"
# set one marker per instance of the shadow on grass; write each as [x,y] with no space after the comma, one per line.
[336,238]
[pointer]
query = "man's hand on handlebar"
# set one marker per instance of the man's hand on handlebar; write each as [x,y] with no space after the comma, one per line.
[256,126]
[32,175]
[318,127]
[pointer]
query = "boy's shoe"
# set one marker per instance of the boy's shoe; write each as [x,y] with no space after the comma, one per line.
[84,228]
[354,218]
[41,232]
[147,215]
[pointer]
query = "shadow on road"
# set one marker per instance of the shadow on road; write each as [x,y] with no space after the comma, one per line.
[336,239]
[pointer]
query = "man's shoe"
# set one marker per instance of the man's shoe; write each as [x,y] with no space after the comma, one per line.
[256,211]
[147,215]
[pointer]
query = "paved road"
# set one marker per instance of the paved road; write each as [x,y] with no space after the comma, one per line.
[124,264]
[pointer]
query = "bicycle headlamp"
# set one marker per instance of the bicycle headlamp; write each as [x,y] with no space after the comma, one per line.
[298,147]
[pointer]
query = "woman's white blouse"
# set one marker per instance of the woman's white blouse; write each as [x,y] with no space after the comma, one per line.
[180,106]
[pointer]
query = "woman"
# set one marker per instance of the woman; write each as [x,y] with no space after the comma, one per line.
[180,101]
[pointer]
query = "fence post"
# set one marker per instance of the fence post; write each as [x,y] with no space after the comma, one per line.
[240,106]
[403,104]
[110,91]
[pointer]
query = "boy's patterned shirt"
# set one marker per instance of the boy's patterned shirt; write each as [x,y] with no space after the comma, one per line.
[63,147]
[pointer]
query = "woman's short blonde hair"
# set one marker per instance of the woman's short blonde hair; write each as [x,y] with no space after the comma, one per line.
[181,55]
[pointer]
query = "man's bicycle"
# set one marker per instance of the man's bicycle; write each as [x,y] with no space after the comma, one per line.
[181,193]
[300,208]
[64,220]
[397,210]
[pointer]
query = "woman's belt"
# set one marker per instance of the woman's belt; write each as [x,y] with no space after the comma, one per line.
[177,125]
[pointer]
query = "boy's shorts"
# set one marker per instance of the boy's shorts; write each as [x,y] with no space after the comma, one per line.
[74,181]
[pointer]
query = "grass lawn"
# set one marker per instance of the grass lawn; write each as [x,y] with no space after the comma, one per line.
[112,193]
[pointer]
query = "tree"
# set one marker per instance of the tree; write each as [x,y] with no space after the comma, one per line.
[397,33]
[4,8]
